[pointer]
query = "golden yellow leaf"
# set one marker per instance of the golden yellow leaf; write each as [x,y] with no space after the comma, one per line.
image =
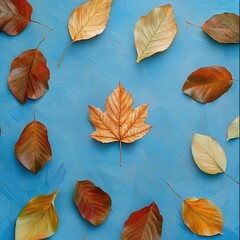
[38,219]
[208,154]
[155,32]
[119,122]
[88,20]
[202,216]
[233,129]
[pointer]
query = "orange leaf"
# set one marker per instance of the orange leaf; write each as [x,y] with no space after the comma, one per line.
[92,202]
[208,83]
[29,75]
[119,122]
[144,224]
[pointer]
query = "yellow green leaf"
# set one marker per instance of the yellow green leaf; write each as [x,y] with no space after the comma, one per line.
[233,129]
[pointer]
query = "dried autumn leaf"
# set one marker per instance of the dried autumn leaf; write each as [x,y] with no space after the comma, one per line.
[202,216]
[15,16]
[144,224]
[119,122]
[208,154]
[92,202]
[29,75]
[233,129]
[38,219]
[88,20]
[223,28]
[208,83]
[155,32]
[33,149]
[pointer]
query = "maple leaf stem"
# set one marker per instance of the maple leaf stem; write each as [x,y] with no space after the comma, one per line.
[85,236]
[236,80]
[120,148]
[41,42]
[231,178]
[41,24]
[175,192]
[193,24]
[60,61]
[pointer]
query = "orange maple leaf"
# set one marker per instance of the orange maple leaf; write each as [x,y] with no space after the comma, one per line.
[119,122]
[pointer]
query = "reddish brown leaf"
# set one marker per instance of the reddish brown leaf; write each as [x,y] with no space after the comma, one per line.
[144,224]
[223,28]
[208,83]
[92,202]
[14,16]
[33,149]
[29,75]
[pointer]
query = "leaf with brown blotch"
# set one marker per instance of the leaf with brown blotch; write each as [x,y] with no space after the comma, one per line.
[201,216]
[38,219]
[15,16]
[233,129]
[33,149]
[29,75]
[208,83]
[119,122]
[144,224]
[223,28]
[92,202]
[87,21]
[155,32]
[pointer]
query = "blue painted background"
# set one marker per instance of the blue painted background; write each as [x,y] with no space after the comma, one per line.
[89,73]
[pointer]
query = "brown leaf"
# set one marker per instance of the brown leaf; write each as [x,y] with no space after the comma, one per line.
[119,122]
[33,149]
[208,83]
[223,28]
[144,224]
[202,216]
[29,75]
[88,20]
[92,202]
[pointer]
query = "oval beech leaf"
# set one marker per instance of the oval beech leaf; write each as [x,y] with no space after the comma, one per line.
[202,217]
[29,75]
[38,219]
[93,203]
[144,224]
[208,154]
[233,129]
[33,149]
[208,83]
[155,32]
[88,20]
[223,28]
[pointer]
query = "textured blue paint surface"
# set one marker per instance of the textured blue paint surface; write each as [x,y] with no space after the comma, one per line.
[90,71]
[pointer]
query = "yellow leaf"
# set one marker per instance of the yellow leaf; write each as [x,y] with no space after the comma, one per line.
[233,129]
[38,219]
[155,32]
[202,216]
[119,122]
[208,154]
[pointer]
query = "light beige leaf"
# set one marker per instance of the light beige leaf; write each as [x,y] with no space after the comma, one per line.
[155,32]
[233,129]
[208,154]
[38,219]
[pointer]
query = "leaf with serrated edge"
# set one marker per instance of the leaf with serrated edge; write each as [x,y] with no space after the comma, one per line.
[92,202]
[208,154]
[144,224]
[208,83]
[38,219]
[155,32]
[202,217]
[233,129]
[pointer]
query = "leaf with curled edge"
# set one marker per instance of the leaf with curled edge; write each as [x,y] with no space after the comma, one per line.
[29,75]
[38,219]
[155,32]
[144,224]
[207,84]
[233,129]
[92,202]
[119,122]
[87,21]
